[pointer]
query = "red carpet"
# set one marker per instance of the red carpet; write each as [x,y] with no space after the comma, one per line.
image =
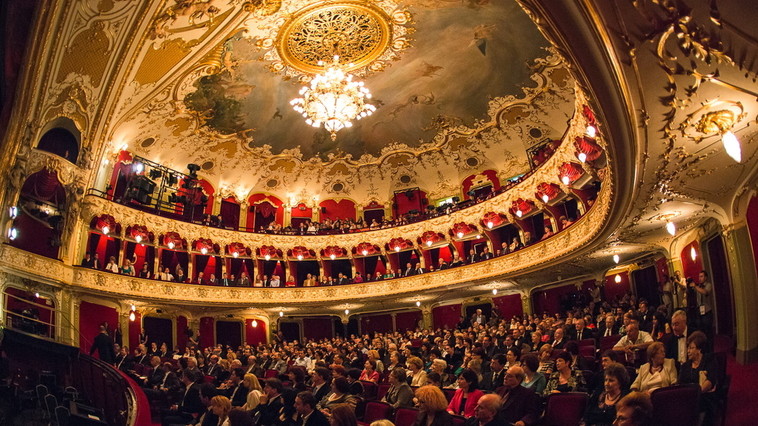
[741,404]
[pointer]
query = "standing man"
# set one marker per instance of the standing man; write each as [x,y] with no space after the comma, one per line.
[104,345]
[703,296]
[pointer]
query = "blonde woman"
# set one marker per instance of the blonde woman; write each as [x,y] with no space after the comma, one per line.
[659,372]
[374,354]
[255,391]
[221,406]
[417,373]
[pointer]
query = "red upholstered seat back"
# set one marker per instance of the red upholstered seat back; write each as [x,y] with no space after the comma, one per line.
[565,409]
[676,405]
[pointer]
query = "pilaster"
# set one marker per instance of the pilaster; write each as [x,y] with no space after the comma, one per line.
[742,269]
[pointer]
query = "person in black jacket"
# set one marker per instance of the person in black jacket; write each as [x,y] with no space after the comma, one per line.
[521,405]
[104,345]
[188,406]
[307,415]
[267,412]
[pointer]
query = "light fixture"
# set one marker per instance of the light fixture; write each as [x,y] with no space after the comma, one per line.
[36,295]
[138,168]
[347,311]
[364,252]
[132,317]
[494,291]
[235,254]
[428,243]
[591,131]
[545,198]
[12,233]
[490,225]
[267,257]
[281,314]
[171,245]
[397,249]
[732,146]
[333,99]
[138,238]
[565,180]
[671,228]
[616,258]
[519,213]
[418,303]
[460,235]
[254,323]
[13,212]
[582,157]
[134,308]
[693,253]
[204,250]
[332,256]
[106,230]
[299,257]
[617,279]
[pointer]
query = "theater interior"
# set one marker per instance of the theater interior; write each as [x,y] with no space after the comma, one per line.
[522,157]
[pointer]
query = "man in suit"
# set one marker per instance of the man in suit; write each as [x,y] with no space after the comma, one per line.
[212,280]
[409,270]
[253,367]
[676,343]
[236,391]
[225,282]
[104,345]
[581,332]
[271,403]
[207,418]
[213,369]
[87,262]
[489,348]
[559,339]
[520,405]
[167,386]
[245,280]
[189,405]
[418,270]
[486,254]
[487,412]
[156,377]
[124,361]
[320,383]
[341,279]
[473,257]
[495,378]
[307,415]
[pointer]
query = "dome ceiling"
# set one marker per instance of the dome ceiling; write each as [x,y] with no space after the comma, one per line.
[459,87]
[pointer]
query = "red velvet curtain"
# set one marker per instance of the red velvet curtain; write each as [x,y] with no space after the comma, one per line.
[317,328]
[509,305]
[446,316]
[91,316]
[207,334]
[255,335]
[181,332]
[408,320]
[230,213]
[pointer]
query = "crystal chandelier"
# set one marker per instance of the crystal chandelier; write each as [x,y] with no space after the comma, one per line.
[333,99]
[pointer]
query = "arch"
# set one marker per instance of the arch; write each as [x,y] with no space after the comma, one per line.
[62,138]
[39,220]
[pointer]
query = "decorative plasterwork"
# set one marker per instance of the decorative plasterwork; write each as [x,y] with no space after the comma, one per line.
[577,237]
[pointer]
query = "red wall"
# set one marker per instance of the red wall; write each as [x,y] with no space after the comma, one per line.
[446,316]
[343,209]
[752,225]
[405,204]
[257,198]
[135,327]
[407,320]
[317,328]
[613,290]
[255,335]
[691,268]
[207,332]
[509,305]
[376,323]
[181,332]
[91,315]
[548,301]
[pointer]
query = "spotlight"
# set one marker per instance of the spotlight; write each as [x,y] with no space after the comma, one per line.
[545,198]
[582,157]
[616,258]
[254,323]
[171,245]
[671,228]
[332,256]
[565,180]
[494,291]
[106,230]
[732,146]
[12,233]
[155,173]
[13,212]
[139,168]
[617,279]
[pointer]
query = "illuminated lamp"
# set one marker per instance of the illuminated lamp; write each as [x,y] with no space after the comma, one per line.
[490,225]
[582,157]
[171,245]
[332,256]
[519,213]
[106,230]
[299,257]
[460,235]
[418,303]
[204,250]
[693,253]
[591,131]
[671,228]
[254,323]
[364,252]
[347,311]
[732,146]
[138,238]
[617,279]
[138,168]
[267,257]
[428,243]
[397,248]
[132,317]
[12,234]
[565,180]
[235,254]
[13,212]
[281,314]
[36,295]
[494,291]
[616,258]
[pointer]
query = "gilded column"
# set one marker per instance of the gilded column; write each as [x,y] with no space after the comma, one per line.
[742,270]
[526,303]
[426,319]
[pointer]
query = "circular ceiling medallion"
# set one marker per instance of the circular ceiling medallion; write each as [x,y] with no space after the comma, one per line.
[405,179]
[535,132]
[272,183]
[207,165]
[472,161]
[359,33]
[147,142]
[337,187]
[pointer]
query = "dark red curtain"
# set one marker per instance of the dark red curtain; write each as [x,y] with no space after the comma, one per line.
[229,333]
[255,335]
[91,316]
[230,213]
[181,332]
[207,328]
[159,331]
[509,305]
[60,142]
[145,254]
[317,328]
[376,323]
[446,316]
[104,246]
[407,320]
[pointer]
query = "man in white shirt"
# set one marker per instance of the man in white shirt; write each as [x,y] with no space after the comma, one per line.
[634,339]
[676,345]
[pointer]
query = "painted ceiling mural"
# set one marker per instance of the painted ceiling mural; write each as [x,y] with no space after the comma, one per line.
[460,87]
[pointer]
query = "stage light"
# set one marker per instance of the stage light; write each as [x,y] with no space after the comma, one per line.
[139,168]
[13,212]
[12,234]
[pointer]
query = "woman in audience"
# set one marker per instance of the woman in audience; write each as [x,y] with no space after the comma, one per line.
[343,415]
[340,395]
[433,379]
[660,327]
[701,369]
[658,372]
[181,277]
[112,266]
[564,379]
[432,407]
[220,406]
[417,373]
[145,272]
[533,380]
[466,397]
[254,393]
[546,362]
[512,356]
[128,268]
[166,275]
[601,409]
[439,366]
[395,361]
[475,365]
[369,373]
[297,379]
[374,355]
[536,341]
[399,394]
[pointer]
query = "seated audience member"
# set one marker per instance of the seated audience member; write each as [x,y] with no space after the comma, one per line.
[533,379]
[112,266]
[416,373]
[166,275]
[598,379]
[559,338]
[353,376]
[181,277]
[433,379]
[439,366]
[601,409]
[635,409]
[487,412]
[547,365]
[145,272]
[466,397]
[520,405]
[369,373]
[547,234]
[635,339]
[432,406]
[564,379]
[271,403]
[235,389]
[495,377]
[701,369]
[189,406]
[399,394]
[343,415]
[207,418]
[340,395]
[221,407]
[307,414]
[658,372]
[255,391]
[676,342]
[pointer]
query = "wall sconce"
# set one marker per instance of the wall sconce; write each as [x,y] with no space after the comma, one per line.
[671,228]
[617,278]
[693,253]
[616,258]
[254,323]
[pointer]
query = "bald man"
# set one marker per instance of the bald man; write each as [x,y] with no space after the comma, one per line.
[520,405]
[487,412]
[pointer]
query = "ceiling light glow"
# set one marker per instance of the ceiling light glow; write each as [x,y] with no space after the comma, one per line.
[732,146]
[591,131]
[671,228]
[616,258]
